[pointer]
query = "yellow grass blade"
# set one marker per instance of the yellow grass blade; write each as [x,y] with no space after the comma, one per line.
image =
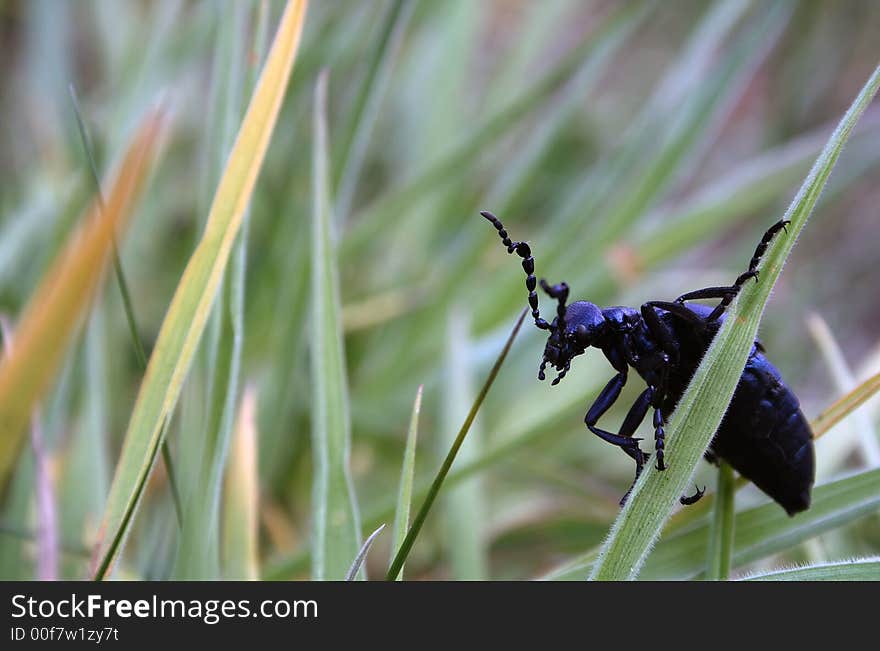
[64,296]
[190,307]
[241,503]
[845,405]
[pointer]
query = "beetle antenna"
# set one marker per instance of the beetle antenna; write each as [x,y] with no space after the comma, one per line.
[528,264]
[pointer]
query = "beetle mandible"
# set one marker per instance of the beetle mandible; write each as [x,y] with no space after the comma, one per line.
[764,435]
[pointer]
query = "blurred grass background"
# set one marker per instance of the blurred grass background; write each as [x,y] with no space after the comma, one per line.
[642,148]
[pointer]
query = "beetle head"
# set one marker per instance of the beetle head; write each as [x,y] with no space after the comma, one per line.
[582,326]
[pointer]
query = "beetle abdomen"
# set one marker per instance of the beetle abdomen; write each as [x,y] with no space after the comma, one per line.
[766,438]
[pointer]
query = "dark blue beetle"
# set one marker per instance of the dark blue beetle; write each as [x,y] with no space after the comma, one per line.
[764,434]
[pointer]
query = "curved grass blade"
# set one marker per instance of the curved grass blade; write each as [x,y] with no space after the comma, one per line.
[198,552]
[859,435]
[857,569]
[362,554]
[766,529]
[413,532]
[655,152]
[759,532]
[407,472]
[190,307]
[127,305]
[392,204]
[845,405]
[703,404]
[351,156]
[748,188]
[576,568]
[462,508]
[64,295]
[335,518]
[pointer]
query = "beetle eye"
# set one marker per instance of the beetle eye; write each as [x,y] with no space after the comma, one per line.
[581,334]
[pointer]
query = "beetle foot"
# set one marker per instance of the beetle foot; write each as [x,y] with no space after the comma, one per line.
[687,500]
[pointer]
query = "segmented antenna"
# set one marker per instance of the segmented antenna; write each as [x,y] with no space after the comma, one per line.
[528,264]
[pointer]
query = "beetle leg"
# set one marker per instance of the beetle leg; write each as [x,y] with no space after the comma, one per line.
[659,437]
[603,403]
[727,294]
[680,311]
[665,337]
[765,241]
[631,422]
[661,333]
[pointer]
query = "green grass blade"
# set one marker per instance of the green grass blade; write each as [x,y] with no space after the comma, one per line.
[686,123]
[335,520]
[16,557]
[127,304]
[189,310]
[766,529]
[362,554]
[703,404]
[413,532]
[652,154]
[722,531]
[578,567]
[857,569]
[198,555]
[407,473]
[366,106]
[517,175]
[117,263]
[458,161]
[85,477]
[759,532]
[463,507]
